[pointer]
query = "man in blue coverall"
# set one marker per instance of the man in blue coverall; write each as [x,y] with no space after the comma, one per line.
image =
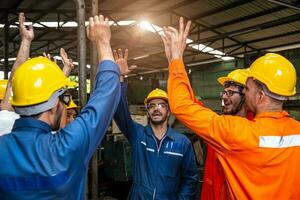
[37,164]
[163,161]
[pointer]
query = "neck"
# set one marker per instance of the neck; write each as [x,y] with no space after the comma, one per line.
[242,112]
[269,108]
[270,105]
[159,130]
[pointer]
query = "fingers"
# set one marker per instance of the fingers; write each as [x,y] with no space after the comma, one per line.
[88,31]
[115,54]
[187,29]
[96,18]
[126,54]
[101,18]
[107,21]
[120,53]
[30,28]
[63,53]
[172,30]
[181,26]
[21,19]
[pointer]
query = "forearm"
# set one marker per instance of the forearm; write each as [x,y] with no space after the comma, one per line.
[182,101]
[104,51]
[22,56]
[122,115]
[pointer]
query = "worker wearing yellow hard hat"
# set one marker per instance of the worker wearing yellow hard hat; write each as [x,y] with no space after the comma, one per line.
[158,152]
[72,111]
[233,94]
[40,160]
[259,157]
[233,103]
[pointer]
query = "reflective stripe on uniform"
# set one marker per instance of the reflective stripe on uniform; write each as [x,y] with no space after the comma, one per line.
[279,141]
[173,153]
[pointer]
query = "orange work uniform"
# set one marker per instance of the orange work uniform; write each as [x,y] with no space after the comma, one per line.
[260,158]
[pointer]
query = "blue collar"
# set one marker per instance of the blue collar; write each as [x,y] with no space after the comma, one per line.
[31,123]
[169,133]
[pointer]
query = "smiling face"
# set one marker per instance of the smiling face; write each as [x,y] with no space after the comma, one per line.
[158,111]
[231,98]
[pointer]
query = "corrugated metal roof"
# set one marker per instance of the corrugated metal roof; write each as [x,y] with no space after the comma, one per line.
[226,25]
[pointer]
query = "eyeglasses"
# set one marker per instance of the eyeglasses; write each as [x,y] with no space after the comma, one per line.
[229,93]
[156,105]
[65,98]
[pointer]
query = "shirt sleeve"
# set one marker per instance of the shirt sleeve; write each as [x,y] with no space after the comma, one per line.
[222,132]
[190,177]
[84,134]
[123,117]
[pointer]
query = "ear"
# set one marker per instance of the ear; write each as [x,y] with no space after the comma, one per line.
[261,96]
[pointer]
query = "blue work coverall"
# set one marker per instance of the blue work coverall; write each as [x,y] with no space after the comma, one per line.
[167,171]
[37,164]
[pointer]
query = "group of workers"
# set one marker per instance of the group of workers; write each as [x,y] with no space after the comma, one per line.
[252,150]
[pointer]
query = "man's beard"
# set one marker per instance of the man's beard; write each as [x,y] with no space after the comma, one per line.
[232,111]
[158,122]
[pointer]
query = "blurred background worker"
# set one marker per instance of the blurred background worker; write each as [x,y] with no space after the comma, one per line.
[36,164]
[260,158]
[163,161]
[233,102]
[72,111]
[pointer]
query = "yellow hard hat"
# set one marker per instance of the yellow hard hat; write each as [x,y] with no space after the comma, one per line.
[238,76]
[156,94]
[72,105]
[276,72]
[36,80]
[3,84]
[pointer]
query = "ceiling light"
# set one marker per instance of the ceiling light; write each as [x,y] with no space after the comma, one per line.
[226,58]
[140,57]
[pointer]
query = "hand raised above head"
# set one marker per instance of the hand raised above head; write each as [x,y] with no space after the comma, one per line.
[121,59]
[26,34]
[175,41]
[98,29]
[68,64]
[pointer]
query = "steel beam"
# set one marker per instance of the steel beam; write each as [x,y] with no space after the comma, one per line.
[81,51]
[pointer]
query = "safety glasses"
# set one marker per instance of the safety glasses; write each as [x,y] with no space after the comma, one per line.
[229,93]
[65,98]
[156,105]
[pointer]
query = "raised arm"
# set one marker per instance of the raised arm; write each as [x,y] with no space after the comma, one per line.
[122,115]
[27,36]
[87,130]
[216,130]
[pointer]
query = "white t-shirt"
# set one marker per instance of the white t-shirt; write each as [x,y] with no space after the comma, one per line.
[7,120]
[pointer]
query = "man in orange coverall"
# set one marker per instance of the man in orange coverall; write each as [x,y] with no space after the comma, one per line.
[260,158]
[233,102]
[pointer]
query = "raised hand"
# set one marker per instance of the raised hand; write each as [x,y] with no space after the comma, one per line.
[48,55]
[174,41]
[26,34]
[98,29]
[68,64]
[121,60]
